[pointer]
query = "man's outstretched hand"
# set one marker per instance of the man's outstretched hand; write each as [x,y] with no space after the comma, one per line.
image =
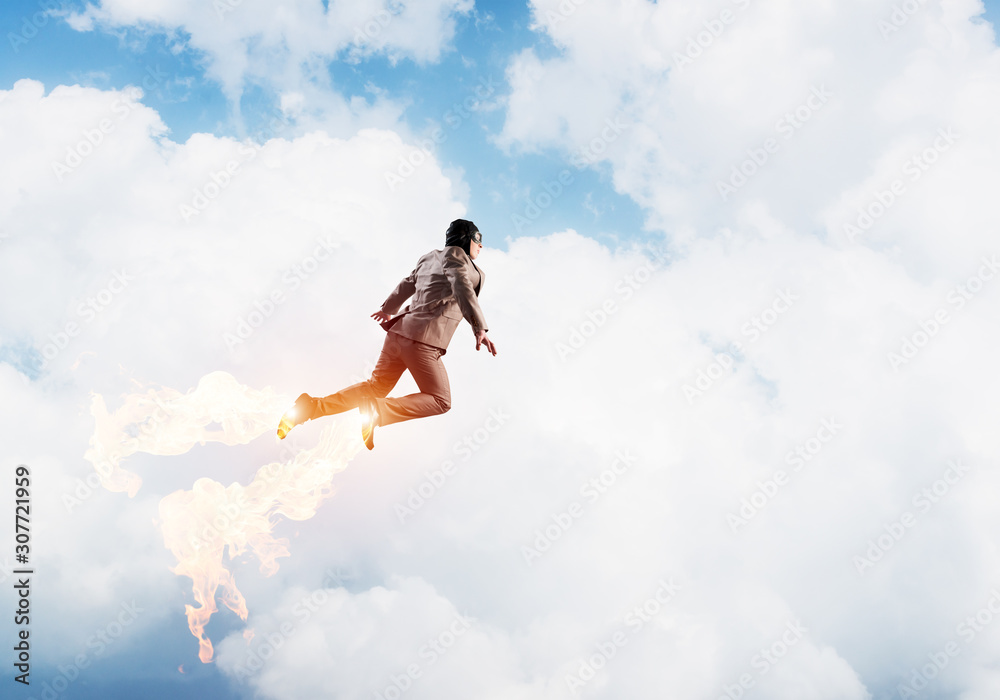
[481,339]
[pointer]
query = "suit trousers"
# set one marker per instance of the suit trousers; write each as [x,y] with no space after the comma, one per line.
[398,354]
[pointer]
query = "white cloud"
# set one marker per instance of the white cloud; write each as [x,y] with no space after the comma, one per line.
[695,110]
[407,639]
[286,47]
[115,285]
[883,103]
[815,316]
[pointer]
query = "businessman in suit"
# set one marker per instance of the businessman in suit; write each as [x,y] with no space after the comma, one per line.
[445,287]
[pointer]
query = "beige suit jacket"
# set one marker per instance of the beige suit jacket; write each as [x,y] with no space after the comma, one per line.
[445,287]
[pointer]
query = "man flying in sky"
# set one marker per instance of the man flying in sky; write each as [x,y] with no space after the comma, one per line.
[445,287]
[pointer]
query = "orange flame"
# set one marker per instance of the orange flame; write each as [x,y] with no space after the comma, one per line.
[201,524]
[167,422]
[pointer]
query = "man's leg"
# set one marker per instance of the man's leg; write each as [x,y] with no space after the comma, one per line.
[388,370]
[424,363]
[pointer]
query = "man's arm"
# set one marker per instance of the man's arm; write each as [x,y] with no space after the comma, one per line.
[481,339]
[465,291]
[403,291]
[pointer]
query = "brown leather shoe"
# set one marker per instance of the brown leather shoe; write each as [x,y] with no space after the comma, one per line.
[296,415]
[369,419]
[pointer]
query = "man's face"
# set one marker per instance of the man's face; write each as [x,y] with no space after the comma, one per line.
[475,245]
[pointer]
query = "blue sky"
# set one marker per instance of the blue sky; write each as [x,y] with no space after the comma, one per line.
[499,182]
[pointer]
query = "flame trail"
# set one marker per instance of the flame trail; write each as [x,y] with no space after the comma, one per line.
[198,525]
[167,422]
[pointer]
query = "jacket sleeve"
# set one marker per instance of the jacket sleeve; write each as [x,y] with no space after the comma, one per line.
[456,269]
[403,291]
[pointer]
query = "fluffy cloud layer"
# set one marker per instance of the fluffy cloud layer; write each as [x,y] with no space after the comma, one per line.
[286,48]
[759,456]
[829,102]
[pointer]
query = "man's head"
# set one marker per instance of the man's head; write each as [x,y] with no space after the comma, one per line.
[465,235]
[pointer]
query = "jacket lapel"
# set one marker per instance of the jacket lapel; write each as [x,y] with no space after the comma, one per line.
[482,277]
